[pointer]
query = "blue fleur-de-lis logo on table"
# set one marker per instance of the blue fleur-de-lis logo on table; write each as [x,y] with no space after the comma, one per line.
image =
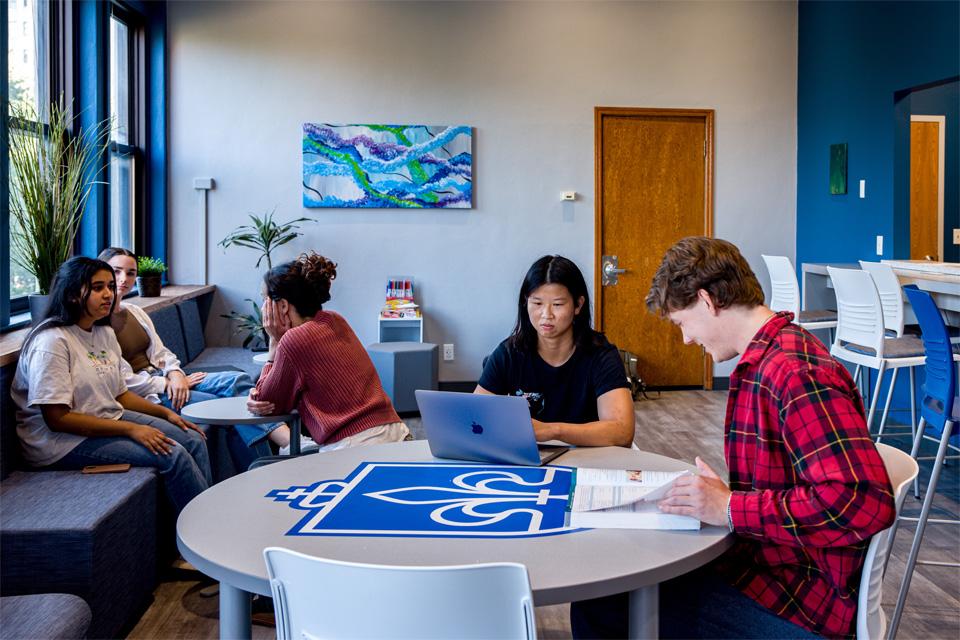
[427,499]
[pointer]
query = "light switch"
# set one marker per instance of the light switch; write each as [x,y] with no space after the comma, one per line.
[879,245]
[863,188]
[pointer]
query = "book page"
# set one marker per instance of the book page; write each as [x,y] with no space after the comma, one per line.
[607,488]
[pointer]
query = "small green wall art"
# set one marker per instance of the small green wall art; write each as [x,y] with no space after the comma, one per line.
[838,169]
[374,166]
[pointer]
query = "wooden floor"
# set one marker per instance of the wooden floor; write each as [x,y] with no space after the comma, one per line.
[681,425]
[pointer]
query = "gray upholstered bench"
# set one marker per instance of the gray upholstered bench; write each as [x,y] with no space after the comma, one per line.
[52,616]
[180,326]
[94,536]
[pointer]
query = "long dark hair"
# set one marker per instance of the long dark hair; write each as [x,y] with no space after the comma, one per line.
[304,282]
[69,294]
[553,270]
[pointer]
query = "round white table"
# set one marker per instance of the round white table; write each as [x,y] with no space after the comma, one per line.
[223,532]
[229,411]
[262,357]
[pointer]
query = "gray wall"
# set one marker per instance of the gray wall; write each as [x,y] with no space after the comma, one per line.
[245,76]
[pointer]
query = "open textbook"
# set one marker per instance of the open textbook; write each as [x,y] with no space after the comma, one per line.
[623,499]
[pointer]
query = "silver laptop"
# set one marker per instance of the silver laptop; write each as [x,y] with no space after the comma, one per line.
[483,428]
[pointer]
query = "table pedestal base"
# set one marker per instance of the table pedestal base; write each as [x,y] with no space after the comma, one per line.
[645,613]
[234,613]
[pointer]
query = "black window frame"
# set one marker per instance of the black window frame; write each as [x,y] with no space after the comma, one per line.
[135,148]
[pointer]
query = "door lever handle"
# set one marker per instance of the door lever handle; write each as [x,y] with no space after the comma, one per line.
[610,269]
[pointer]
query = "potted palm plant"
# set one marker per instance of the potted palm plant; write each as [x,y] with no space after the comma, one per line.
[264,235]
[52,172]
[149,272]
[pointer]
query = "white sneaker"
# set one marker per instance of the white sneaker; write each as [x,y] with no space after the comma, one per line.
[306,443]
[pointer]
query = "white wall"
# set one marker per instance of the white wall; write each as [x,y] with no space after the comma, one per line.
[245,76]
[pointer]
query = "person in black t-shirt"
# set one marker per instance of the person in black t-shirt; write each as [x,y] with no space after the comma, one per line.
[570,374]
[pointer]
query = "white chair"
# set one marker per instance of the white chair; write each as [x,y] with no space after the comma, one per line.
[871,621]
[314,597]
[891,295]
[891,301]
[860,337]
[785,296]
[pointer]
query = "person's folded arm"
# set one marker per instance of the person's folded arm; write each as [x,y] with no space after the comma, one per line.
[614,428]
[842,494]
[142,383]
[280,381]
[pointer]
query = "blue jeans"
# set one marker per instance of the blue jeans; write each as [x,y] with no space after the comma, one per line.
[241,438]
[699,604]
[185,471]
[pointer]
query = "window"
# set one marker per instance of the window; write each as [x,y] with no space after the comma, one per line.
[94,54]
[27,84]
[126,143]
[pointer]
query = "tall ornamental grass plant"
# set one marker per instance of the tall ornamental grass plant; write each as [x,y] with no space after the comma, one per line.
[51,176]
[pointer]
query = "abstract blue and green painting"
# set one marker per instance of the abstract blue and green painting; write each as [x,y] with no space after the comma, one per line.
[387,165]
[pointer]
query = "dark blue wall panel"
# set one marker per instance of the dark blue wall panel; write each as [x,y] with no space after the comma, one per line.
[852,58]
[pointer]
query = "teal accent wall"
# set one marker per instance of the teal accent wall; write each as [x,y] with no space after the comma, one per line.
[855,60]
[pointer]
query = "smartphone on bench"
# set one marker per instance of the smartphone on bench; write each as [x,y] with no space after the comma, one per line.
[107,468]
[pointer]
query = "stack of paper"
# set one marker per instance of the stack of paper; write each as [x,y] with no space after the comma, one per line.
[623,499]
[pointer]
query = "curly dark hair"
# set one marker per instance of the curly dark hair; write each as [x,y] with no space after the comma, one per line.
[711,264]
[304,282]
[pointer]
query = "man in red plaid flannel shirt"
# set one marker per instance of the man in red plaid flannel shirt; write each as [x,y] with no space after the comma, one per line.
[807,486]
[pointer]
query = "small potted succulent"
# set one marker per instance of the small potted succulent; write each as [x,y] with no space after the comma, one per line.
[149,272]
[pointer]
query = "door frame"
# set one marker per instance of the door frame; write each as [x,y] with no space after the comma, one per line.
[942,134]
[599,113]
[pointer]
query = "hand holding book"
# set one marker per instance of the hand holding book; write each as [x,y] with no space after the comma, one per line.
[704,496]
[617,498]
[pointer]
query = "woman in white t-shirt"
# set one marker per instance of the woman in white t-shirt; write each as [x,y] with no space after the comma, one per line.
[74,409]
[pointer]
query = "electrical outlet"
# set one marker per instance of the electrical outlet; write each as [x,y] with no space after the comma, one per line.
[956,236]
[879,245]
[448,352]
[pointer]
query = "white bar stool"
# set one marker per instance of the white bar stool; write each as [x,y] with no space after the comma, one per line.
[860,337]
[785,296]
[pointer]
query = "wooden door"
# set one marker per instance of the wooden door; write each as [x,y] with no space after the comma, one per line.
[925,197]
[653,186]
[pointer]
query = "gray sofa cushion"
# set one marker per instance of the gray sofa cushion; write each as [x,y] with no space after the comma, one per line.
[54,616]
[167,323]
[94,536]
[192,329]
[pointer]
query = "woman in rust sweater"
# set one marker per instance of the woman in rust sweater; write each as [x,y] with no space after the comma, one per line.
[316,363]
